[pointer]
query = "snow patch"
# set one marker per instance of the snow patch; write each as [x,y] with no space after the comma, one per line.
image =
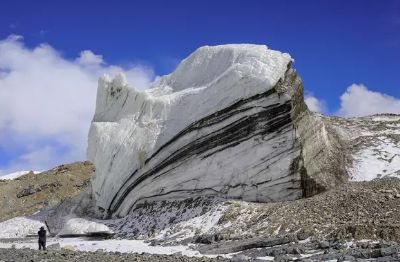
[382,159]
[266,258]
[15,175]
[373,144]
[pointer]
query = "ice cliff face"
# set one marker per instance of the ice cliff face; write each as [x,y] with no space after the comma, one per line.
[229,122]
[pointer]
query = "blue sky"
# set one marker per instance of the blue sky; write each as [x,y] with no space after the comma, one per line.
[335,44]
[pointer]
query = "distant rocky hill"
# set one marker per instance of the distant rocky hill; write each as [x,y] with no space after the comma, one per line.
[30,193]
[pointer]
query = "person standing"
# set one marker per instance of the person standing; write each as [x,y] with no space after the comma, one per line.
[42,238]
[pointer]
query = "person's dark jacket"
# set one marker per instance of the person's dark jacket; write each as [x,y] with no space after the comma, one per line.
[42,235]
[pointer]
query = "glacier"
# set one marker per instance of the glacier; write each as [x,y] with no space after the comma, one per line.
[229,122]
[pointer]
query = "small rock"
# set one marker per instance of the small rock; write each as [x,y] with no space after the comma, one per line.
[383,244]
[69,247]
[363,244]
[204,239]
[389,196]
[55,246]
[281,259]
[323,244]
[239,258]
[303,235]
[296,251]
[349,258]
[387,251]
[27,191]
[364,253]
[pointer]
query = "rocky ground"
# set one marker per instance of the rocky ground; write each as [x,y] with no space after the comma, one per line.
[291,249]
[277,249]
[33,192]
[29,255]
[356,210]
[330,226]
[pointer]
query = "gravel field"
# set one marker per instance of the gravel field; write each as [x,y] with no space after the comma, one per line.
[29,255]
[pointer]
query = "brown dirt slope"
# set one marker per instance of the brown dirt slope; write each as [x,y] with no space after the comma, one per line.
[32,192]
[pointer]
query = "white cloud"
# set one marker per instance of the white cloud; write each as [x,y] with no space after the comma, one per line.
[359,101]
[87,57]
[314,104]
[47,102]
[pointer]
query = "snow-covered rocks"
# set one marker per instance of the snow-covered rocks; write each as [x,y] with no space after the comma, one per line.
[230,122]
[170,220]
